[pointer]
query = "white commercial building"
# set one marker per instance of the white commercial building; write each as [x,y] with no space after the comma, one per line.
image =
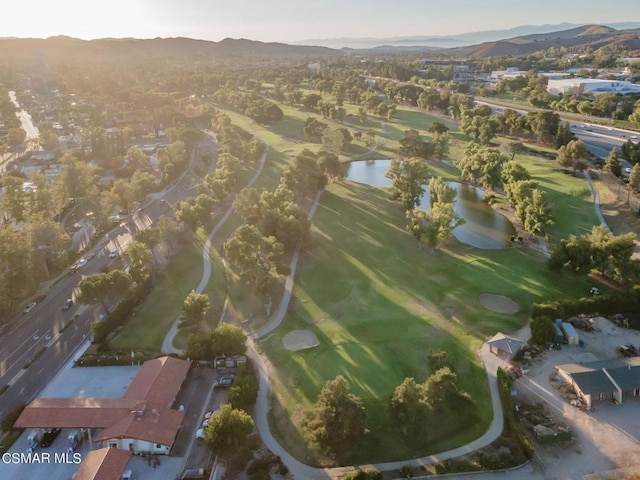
[580,86]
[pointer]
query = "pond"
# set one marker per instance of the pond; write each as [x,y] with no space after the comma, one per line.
[484,228]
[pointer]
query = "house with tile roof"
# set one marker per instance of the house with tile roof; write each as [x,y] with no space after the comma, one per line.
[142,421]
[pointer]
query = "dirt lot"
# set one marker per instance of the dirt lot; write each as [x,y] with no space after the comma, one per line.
[606,438]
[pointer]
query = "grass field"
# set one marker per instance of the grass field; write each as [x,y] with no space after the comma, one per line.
[379,305]
[152,320]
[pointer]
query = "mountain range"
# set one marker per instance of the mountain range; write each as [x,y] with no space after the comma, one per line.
[63,49]
[449,41]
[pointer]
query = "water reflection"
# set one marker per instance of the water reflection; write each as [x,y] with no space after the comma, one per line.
[484,227]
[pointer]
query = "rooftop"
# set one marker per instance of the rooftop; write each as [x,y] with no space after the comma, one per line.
[103,464]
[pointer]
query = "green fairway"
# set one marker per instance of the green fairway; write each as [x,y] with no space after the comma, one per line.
[379,305]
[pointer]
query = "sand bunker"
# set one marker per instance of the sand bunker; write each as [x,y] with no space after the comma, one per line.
[498,303]
[299,340]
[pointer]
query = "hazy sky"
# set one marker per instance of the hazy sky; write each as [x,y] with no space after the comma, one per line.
[289,20]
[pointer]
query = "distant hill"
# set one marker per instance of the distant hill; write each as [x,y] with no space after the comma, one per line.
[594,36]
[448,41]
[66,49]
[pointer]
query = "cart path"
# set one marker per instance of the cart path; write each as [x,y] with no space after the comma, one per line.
[167,344]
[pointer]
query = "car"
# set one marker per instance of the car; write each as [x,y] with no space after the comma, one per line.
[205,423]
[29,307]
[49,437]
[634,137]
[224,381]
[114,218]
[594,291]
[624,350]
[90,255]
[627,170]
[82,262]
[67,304]
[113,253]
[200,434]
[162,201]
[631,348]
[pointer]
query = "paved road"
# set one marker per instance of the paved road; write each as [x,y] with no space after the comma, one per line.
[29,332]
[25,119]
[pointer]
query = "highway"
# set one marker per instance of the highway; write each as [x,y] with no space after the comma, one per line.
[43,327]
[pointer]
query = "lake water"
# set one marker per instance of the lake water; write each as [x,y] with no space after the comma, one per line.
[484,227]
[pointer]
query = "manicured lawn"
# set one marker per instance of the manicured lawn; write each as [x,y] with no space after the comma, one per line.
[379,305]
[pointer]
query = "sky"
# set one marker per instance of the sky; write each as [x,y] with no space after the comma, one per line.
[292,20]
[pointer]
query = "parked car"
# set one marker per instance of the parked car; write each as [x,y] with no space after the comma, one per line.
[67,304]
[224,381]
[49,437]
[624,350]
[594,291]
[632,349]
[82,262]
[29,307]
[200,434]
[113,253]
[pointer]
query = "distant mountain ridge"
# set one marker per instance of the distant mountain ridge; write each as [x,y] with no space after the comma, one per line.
[62,48]
[594,36]
[448,41]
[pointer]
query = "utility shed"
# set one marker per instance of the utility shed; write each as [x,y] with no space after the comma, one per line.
[570,334]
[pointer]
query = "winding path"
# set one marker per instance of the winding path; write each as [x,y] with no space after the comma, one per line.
[167,344]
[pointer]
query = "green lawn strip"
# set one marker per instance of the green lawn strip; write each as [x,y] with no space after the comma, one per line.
[379,305]
[152,320]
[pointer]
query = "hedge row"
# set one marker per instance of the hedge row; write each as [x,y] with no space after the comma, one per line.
[604,304]
[122,313]
[118,358]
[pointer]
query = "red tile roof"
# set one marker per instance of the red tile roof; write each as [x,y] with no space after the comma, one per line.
[76,412]
[142,413]
[158,381]
[103,464]
[157,426]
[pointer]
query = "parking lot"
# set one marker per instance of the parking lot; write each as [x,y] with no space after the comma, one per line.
[607,437]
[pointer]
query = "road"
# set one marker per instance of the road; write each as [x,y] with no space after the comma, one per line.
[25,119]
[599,139]
[44,325]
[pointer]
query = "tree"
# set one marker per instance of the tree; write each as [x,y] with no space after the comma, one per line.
[408,177]
[244,392]
[228,339]
[535,212]
[439,386]
[573,155]
[514,148]
[513,172]
[412,144]
[14,199]
[227,430]
[438,127]
[613,164]
[103,287]
[408,407]
[136,159]
[482,165]
[257,259]
[440,191]
[542,330]
[441,145]
[634,179]
[47,241]
[15,137]
[195,307]
[139,258]
[199,346]
[337,421]
[564,135]
[439,222]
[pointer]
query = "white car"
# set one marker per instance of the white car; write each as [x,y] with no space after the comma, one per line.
[200,434]
[82,262]
[29,307]
[627,170]
[113,253]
